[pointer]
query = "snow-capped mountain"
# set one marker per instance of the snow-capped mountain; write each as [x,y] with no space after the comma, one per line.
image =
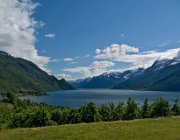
[162,75]
[106,80]
[160,64]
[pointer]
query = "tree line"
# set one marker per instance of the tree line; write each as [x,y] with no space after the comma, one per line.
[24,113]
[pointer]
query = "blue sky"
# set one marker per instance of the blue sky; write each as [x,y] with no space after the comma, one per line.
[74,29]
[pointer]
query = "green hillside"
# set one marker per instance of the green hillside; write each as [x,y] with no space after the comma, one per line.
[17,73]
[149,129]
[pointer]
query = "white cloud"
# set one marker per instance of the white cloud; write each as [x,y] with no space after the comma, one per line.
[50,35]
[17,29]
[72,60]
[101,64]
[163,44]
[98,51]
[55,60]
[119,53]
[83,71]
[96,68]
[82,57]
[65,76]
[68,59]
[115,51]
[129,54]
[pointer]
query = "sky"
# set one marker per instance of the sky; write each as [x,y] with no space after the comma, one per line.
[75,39]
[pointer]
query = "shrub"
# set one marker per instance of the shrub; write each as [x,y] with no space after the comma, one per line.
[27,114]
[57,116]
[104,112]
[89,113]
[41,118]
[132,110]
[160,108]
[176,107]
[121,110]
[145,112]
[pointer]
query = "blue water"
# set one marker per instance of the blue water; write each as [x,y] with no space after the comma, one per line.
[75,98]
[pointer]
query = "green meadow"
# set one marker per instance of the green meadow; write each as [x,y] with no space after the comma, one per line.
[147,129]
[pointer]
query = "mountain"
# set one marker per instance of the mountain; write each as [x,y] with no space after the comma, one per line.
[163,75]
[17,74]
[106,80]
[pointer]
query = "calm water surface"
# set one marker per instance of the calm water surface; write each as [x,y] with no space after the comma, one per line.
[75,98]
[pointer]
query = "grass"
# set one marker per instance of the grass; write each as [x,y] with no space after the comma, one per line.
[4,105]
[4,110]
[148,129]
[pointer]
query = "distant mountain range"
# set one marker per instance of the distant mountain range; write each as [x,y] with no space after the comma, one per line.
[105,80]
[163,75]
[17,74]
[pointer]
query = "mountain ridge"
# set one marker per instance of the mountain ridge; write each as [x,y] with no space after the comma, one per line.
[163,75]
[17,74]
[105,80]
